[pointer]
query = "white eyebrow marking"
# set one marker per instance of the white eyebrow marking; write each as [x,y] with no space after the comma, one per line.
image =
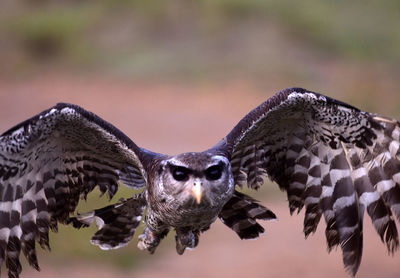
[176,162]
[215,159]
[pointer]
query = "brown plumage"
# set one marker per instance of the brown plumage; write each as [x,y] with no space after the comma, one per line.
[331,158]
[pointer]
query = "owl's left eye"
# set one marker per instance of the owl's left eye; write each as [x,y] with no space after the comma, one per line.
[214,172]
[180,173]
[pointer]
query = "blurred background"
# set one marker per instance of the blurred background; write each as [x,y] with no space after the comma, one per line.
[176,76]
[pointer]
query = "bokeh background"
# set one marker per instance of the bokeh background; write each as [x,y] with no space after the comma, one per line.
[176,76]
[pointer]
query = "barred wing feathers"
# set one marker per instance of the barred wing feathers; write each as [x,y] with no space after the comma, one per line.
[331,158]
[117,223]
[46,164]
[241,213]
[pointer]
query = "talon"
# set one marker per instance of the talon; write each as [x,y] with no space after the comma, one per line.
[141,245]
[188,240]
[147,241]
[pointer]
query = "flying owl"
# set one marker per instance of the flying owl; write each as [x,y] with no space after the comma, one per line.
[330,157]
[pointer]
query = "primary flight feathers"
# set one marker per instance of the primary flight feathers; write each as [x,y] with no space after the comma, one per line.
[331,158]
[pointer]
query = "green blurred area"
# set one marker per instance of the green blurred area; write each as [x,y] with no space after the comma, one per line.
[193,39]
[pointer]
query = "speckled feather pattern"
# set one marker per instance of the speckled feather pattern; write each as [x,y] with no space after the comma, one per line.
[46,165]
[332,159]
[117,223]
[166,201]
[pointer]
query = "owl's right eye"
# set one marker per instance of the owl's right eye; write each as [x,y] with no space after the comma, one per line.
[180,173]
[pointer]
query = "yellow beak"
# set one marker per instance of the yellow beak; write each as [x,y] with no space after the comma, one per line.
[196,191]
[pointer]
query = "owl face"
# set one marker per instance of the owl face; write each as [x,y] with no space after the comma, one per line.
[196,179]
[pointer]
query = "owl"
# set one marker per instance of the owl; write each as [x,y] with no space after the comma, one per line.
[332,159]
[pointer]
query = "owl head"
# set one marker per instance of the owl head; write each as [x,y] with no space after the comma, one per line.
[195,179]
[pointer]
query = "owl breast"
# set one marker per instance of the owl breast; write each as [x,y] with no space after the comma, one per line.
[184,211]
[182,214]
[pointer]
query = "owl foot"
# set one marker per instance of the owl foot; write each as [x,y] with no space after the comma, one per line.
[145,244]
[150,240]
[186,239]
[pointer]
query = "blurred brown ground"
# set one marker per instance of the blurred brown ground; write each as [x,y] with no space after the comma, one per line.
[171,118]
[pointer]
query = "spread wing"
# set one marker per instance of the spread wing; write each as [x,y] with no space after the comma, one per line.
[47,163]
[328,156]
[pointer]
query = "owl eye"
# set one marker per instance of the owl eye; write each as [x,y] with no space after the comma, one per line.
[180,173]
[214,172]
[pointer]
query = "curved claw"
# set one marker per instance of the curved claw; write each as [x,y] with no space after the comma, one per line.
[186,239]
[149,240]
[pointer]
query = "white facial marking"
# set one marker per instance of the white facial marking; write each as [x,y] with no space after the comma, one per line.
[177,162]
[217,158]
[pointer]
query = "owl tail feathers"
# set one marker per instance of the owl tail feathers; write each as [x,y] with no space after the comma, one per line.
[117,223]
[241,213]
